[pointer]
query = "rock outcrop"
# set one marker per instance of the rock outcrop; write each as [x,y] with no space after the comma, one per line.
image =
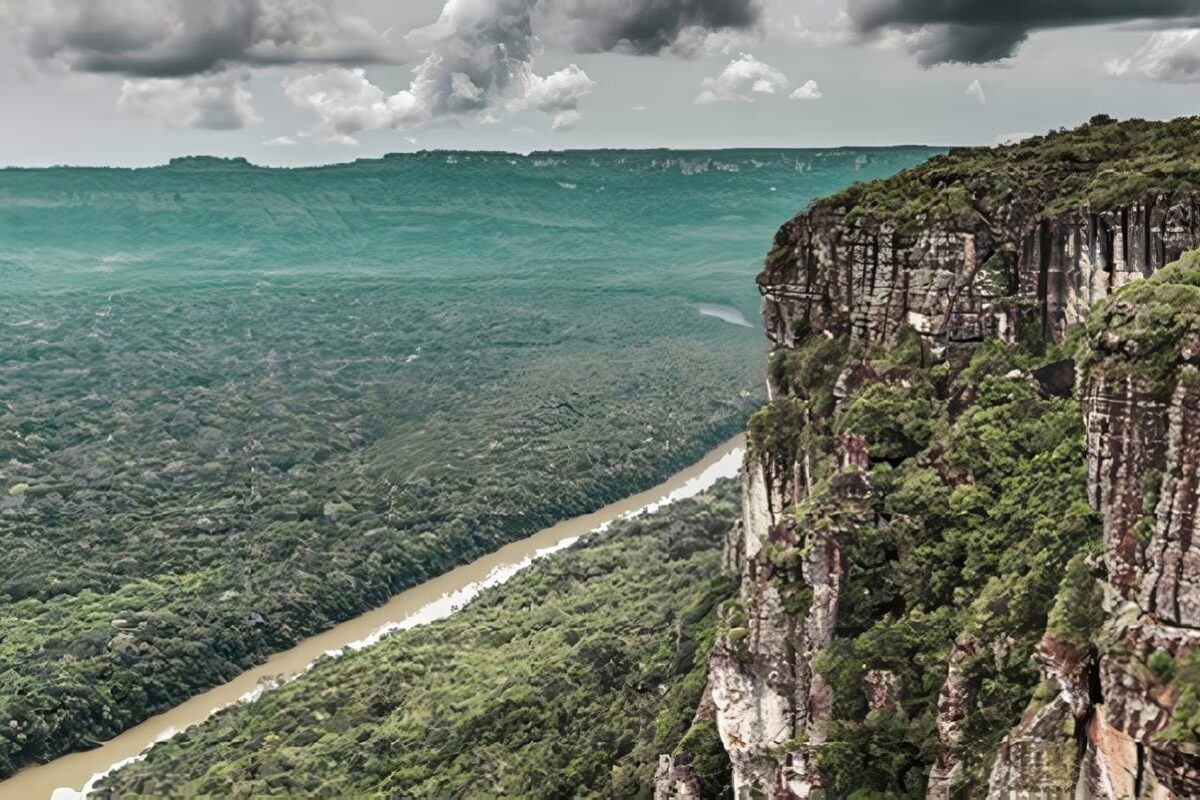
[964,279]
[675,780]
[1140,396]
[1024,266]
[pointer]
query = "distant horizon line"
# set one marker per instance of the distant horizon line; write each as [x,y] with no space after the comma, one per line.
[181,160]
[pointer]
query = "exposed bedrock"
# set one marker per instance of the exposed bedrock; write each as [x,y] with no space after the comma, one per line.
[1137,734]
[957,282]
[1016,244]
[771,704]
[1010,277]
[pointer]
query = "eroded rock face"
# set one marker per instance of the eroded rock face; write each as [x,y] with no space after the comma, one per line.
[771,705]
[675,780]
[1008,273]
[951,711]
[957,283]
[1042,757]
[1141,403]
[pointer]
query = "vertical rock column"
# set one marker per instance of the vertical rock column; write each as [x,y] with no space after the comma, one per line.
[772,706]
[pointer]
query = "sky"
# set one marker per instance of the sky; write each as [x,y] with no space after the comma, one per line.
[294,82]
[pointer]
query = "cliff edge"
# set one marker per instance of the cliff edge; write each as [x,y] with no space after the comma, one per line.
[966,555]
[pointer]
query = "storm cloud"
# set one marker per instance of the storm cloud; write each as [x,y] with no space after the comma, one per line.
[478,60]
[984,31]
[181,38]
[1168,56]
[644,27]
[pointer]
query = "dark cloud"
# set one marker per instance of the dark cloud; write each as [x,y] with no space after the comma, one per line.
[983,31]
[179,38]
[476,59]
[645,27]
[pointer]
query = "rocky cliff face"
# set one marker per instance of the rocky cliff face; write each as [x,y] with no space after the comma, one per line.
[1114,710]
[1131,696]
[963,279]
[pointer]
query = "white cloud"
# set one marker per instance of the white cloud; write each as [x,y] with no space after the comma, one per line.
[214,102]
[280,141]
[346,104]
[1169,56]
[555,93]
[566,120]
[476,60]
[839,31]
[809,91]
[742,77]
[975,89]
[1118,66]
[696,41]
[639,108]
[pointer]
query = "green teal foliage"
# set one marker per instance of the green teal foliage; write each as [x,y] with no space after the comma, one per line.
[1099,164]
[1144,327]
[895,417]
[1162,665]
[701,746]
[977,518]
[777,430]
[1185,716]
[566,681]
[810,372]
[1078,610]
[162,539]
[794,427]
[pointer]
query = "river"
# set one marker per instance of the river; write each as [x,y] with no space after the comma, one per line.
[72,776]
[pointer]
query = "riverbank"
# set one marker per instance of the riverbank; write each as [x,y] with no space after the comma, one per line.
[73,775]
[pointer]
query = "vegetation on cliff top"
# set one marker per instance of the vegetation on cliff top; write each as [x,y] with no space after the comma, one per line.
[1149,328]
[567,681]
[1101,164]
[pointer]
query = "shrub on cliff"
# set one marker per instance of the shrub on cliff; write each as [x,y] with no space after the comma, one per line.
[978,516]
[1149,328]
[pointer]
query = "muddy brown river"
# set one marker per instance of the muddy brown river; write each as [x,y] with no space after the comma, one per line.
[72,776]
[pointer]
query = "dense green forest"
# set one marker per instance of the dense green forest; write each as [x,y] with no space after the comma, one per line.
[254,517]
[977,505]
[567,681]
[1099,165]
[239,405]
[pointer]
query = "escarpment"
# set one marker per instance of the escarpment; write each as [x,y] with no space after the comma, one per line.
[965,574]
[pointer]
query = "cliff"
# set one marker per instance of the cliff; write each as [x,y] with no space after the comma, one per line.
[966,552]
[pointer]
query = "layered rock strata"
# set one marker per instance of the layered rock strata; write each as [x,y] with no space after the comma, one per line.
[1141,403]
[1010,272]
